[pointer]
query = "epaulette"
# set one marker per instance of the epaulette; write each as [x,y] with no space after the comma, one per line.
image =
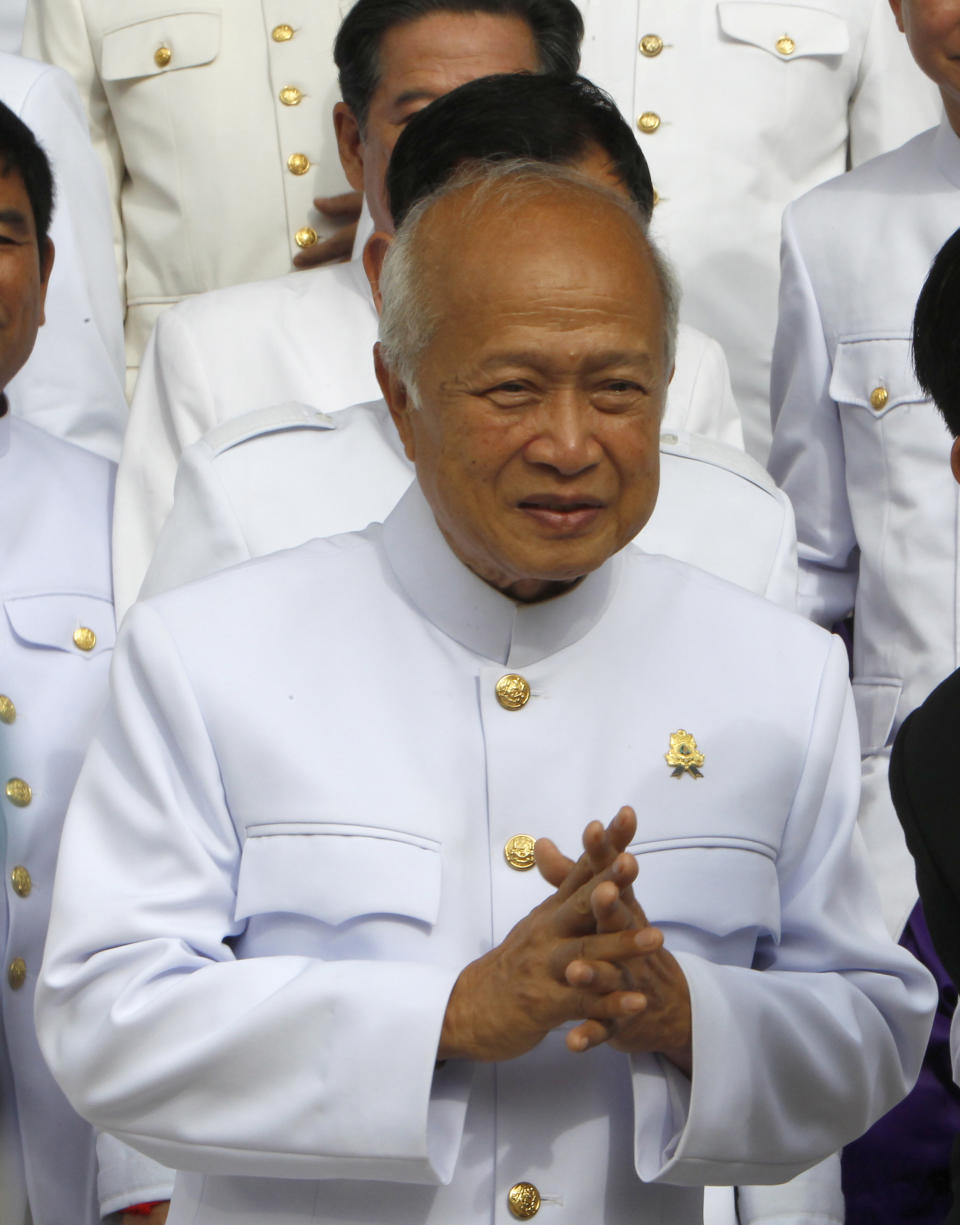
[288,416]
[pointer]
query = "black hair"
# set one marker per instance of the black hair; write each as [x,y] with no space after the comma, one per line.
[556,25]
[19,151]
[936,333]
[513,115]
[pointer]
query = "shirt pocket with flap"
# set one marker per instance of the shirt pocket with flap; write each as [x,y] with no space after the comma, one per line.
[159,45]
[788,32]
[80,624]
[335,873]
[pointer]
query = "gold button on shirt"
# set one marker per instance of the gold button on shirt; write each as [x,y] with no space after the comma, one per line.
[648,122]
[291,96]
[518,852]
[281,33]
[8,712]
[305,237]
[523,1200]
[651,45]
[18,792]
[162,56]
[513,692]
[17,973]
[786,45]
[84,639]
[298,163]
[878,398]
[20,879]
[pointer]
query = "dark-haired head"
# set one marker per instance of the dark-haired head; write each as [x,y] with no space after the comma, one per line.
[20,153]
[936,333]
[510,117]
[556,25]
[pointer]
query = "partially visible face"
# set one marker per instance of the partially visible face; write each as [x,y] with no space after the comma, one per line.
[419,61]
[536,441]
[23,276]
[932,28]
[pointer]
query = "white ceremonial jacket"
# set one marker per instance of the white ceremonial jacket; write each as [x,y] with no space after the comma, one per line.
[72,384]
[752,102]
[865,456]
[299,840]
[276,477]
[192,110]
[305,337]
[56,633]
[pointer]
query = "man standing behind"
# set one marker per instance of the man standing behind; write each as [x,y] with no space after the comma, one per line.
[324,986]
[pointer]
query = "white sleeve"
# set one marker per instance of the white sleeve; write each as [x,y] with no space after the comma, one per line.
[807,456]
[832,1018]
[202,533]
[172,407]
[700,397]
[782,583]
[814,1197]
[283,1066]
[73,383]
[125,1177]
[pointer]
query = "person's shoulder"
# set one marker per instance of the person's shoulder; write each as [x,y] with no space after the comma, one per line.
[689,453]
[19,75]
[289,417]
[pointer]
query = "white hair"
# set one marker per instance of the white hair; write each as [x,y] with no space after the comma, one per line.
[409,318]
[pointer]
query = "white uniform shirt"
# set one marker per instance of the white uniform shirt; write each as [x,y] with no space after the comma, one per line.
[276,477]
[56,632]
[72,385]
[757,101]
[299,837]
[307,337]
[864,455]
[193,112]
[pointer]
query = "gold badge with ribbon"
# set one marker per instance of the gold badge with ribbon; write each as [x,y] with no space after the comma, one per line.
[684,755]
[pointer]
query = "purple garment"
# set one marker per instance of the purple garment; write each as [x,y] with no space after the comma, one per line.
[899,1171]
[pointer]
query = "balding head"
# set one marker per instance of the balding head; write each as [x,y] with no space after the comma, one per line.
[527,317]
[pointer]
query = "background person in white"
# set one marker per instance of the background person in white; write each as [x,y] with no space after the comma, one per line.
[262,999]
[740,106]
[72,385]
[307,337]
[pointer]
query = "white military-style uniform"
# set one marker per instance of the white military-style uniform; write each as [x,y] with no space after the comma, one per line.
[276,477]
[865,455]
[741,105]
[72,384]
[214,126]
[305,337]
[56,635]
[286,898]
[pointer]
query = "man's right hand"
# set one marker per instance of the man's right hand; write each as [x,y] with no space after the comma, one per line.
[504,1003]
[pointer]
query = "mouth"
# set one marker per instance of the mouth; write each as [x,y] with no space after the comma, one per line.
[562,512]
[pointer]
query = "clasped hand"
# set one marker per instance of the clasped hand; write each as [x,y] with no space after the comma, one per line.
[585,954]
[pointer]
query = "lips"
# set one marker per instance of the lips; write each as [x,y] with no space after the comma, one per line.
[562,512]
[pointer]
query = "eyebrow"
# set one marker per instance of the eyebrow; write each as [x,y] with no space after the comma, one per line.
[16,220]
[414,95]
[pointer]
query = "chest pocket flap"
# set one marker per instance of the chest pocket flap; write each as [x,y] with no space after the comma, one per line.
[875,373]
[82,625]
[337,872]
[786,31]
[160,44]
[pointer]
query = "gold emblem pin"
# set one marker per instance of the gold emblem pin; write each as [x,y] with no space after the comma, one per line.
[684,755]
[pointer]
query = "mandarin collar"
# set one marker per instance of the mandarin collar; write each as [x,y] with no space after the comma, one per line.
[946,151]
[472,612]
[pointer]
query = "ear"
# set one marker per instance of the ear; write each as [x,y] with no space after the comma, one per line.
[955,460]
[398,401]
[46,267]
[349,144]
[897,5]
[374,253]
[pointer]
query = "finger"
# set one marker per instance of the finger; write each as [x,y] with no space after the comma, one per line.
[604,845]
[599,976]
[610,912]
[588,1034]
[347,204]
[619,948]
[552,864]
[574,915]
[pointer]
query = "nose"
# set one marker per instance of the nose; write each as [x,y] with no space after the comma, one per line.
[564,438]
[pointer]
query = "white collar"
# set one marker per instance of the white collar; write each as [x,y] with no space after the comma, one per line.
[472,612]
[946,151]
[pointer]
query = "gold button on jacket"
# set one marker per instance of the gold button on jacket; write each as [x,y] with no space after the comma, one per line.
[20,879]
[786,45]
[84,639]
[518,852]
[290,95]
[281,34]
[8,712]
[878,398]
[162,56]
[512,691]
[648,122]
[17,973]
[298,163]
[523,1199]
[306,237]
[18,792]
[651,45]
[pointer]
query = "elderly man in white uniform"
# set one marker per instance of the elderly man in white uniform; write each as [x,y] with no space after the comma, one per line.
[318,980]
[56,633]
[72,384]
[741,105]
[276,477]
[212,129]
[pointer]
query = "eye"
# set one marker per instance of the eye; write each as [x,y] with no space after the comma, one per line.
[510,393]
